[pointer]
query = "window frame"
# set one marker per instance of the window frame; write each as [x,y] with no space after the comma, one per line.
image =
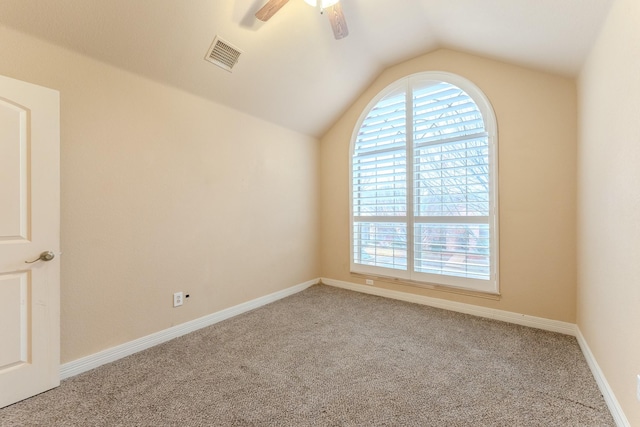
[407,84]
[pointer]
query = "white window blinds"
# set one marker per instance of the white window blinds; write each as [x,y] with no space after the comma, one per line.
[423,188]
[380,186]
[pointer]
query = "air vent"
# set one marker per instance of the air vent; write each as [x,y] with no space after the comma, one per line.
[222,54]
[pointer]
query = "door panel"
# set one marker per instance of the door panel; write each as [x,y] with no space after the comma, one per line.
[29,225]
[14,325]
[13,171]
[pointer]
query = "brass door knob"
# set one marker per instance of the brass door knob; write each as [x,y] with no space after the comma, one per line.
[44,256]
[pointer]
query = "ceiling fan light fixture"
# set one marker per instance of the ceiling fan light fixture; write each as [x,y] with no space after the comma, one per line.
[332,7]
[324,3]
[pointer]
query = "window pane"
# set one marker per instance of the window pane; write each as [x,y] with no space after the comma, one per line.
[453,249]
[381,244]
[380,186]
[380,159]
[452,179]
[443,111]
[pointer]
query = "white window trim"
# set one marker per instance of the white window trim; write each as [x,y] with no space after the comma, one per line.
[484,105]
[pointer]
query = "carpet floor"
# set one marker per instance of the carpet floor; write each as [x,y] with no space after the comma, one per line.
[331,357]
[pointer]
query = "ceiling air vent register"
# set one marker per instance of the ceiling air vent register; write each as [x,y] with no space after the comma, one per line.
[223,54]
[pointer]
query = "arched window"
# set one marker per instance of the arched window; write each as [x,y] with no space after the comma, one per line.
[424,184]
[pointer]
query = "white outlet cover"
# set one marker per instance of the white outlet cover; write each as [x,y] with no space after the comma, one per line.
[638,388]
[178,299]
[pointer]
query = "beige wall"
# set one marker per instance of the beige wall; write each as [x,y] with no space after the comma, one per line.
[609,203]
[536,114]
[163,191]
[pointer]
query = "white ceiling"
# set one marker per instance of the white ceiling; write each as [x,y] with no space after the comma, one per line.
[292,72]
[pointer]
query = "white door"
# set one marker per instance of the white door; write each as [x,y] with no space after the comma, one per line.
[29,226]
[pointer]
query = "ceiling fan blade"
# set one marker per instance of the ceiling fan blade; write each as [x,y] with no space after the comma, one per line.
[270,9]
[338,23]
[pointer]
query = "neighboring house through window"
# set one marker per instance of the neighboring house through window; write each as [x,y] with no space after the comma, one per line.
[424,184]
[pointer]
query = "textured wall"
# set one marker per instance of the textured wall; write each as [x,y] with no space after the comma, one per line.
[536,114]
[163,191]
[609,203]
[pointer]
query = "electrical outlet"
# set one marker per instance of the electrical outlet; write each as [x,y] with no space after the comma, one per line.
[638,388]
[368,282]
[178,299]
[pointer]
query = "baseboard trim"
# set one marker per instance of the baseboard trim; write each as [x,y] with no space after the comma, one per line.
[490,313]
[607,393]
[87,363]
[95,360]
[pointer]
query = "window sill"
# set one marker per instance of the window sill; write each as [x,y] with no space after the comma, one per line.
[434,287]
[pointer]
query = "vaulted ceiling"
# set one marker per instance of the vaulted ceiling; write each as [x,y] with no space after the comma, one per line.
[292,71]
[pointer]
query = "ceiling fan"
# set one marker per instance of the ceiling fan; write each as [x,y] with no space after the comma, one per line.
[332,7]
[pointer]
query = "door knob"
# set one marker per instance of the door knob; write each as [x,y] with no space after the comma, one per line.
[44,256]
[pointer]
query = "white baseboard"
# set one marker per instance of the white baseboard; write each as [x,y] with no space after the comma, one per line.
[87,363]
[603,385]
[490,313]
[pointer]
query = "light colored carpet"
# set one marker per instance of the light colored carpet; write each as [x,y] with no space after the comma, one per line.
[330,357]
